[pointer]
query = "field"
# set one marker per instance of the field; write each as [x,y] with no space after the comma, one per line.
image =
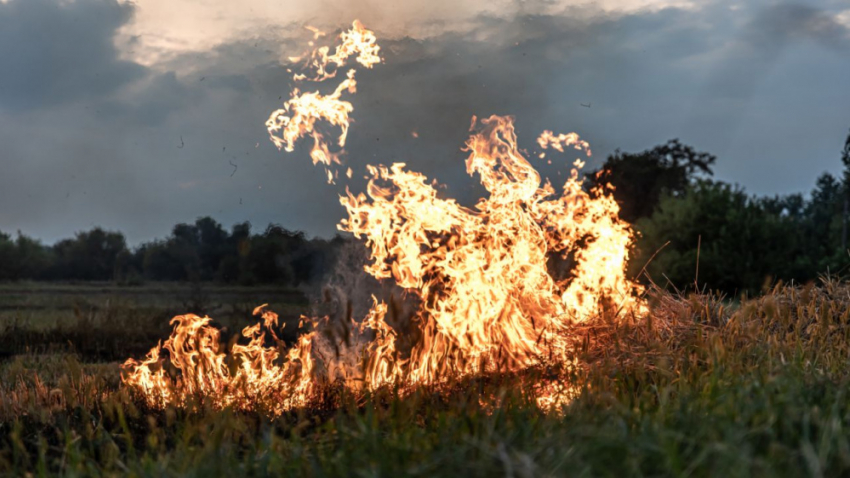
[700,387]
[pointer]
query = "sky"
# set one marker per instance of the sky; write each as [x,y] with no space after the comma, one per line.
[135,116]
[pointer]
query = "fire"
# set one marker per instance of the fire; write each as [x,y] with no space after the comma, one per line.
[486,300]
[249,375]
[303,110]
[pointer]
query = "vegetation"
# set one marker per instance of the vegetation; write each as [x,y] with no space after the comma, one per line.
[665,192]
[697,231]
[640,180]
[698,388]
[197,252]
[105,322]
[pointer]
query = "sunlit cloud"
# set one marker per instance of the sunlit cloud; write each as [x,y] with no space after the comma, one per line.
[164,29]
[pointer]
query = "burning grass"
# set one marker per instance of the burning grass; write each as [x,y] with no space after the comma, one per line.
[505,368]
[484,300]
[698,387]
[104,322]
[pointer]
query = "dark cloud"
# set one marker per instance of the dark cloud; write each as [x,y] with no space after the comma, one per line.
[772,31]
[54,52]
[152,100]
[761,86]
[776,26]
[539,68]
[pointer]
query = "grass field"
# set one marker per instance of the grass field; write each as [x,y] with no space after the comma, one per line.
[700,387]
[101,322]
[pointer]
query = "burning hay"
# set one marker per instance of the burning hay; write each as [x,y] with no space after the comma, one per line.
[486,300]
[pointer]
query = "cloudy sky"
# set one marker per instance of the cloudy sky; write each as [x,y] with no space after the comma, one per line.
[130,115]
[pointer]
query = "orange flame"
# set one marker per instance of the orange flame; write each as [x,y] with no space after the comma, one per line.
[487,301]
[302,111]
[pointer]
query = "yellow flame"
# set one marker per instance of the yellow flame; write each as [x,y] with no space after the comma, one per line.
[300,114]
[486,299]
[548,139]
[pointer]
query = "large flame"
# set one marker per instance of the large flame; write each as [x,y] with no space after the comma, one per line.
[485,298]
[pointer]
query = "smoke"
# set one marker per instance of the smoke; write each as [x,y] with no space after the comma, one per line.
[347,293]
[345,300]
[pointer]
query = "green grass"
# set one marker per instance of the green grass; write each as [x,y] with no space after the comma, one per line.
[40,305]
[696,389]
[101,321]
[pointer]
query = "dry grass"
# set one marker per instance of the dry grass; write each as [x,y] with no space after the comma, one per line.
[698,387]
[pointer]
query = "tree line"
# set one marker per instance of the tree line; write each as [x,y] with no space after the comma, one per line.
[203,251]
[693,231]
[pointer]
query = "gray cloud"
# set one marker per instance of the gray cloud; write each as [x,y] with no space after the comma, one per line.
[775,26]
[151,101]
[54,52]
[772,31]
[761,86]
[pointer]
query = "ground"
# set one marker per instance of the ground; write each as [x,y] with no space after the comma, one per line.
[698,387]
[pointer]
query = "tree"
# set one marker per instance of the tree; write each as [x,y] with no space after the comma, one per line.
[845,159]
[743,242]
[162,261]
[90,255]
[823,226]
[34,258]
[269,259]
[212,246]
[234,265]
[640,179]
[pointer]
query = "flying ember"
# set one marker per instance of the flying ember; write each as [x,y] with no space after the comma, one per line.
[480,277]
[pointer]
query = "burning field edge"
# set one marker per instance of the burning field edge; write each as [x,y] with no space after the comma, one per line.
[492,288]
[698,384]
